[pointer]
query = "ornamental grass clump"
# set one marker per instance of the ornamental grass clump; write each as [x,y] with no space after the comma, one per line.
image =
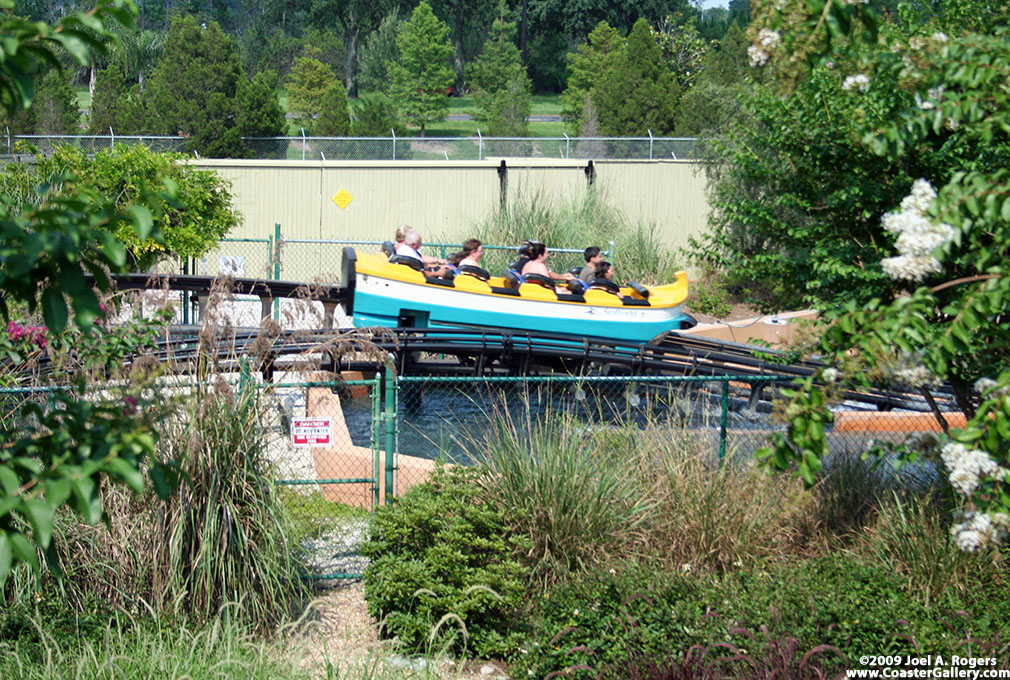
[912,536]
[719,514]
[573,491]
[122,647]
[223,538]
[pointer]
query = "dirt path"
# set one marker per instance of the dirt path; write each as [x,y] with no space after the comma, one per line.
[344,636]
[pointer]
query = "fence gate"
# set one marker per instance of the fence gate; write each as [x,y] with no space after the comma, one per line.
[330,468]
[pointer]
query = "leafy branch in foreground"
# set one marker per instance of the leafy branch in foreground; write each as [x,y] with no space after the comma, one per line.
[953,250]
[58,456]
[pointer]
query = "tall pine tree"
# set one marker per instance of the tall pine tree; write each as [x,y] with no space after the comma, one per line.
[586,66]
[422,75]
[334,119]
[260,115]
[192,90]
[307,83]
[501,86]
[638,92]
[107,101]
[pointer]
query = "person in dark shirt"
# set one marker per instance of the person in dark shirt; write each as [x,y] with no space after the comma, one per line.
[525,255]
[593,257]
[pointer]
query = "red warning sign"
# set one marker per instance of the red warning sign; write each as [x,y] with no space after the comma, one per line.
[311,432]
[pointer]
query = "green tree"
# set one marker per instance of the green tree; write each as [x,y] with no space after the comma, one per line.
[334,119]
[376,115]
[357,18]
[378,52]
[502,90]
[422,76]
[546,63]
[326,45]
[122,173]
[740,11]
[797,195]
[306,84]
[715,103]
[192,90]
[59,457]
[577,19]
[55,106]
[267,46]
[53,110]
[585,68]
[259,111]
[108,101]
[138,52]
[726,63]
[463,12]
[683,49]
[637,93]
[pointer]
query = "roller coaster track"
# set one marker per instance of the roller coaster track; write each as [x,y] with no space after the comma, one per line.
[466,351]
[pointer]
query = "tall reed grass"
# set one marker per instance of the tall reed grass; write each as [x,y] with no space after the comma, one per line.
[588,492]
[223,537]
[578,503]
[717,514]
[911,536]
[639,255]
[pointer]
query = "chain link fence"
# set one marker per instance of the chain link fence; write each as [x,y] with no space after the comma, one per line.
[457,418]
[319,260]
[389,148]
[329,454]
[470,148]
[45,144]
[337,449]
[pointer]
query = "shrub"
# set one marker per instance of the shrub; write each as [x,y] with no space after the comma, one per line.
[595,622]
[192,225]
[780,621]
[711,297]
[442,570]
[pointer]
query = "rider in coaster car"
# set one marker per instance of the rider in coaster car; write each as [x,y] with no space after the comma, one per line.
[538,264]
[411,247]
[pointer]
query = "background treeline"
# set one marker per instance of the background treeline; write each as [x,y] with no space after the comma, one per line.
[215,72]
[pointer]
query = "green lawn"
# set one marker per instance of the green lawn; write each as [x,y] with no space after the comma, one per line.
[543,105]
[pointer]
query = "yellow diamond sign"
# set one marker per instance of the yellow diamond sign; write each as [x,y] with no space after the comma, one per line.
[342,199]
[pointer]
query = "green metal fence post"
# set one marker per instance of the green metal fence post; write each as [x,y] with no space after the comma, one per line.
[276,274]
[722,420]
[390,417]
[377,430]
